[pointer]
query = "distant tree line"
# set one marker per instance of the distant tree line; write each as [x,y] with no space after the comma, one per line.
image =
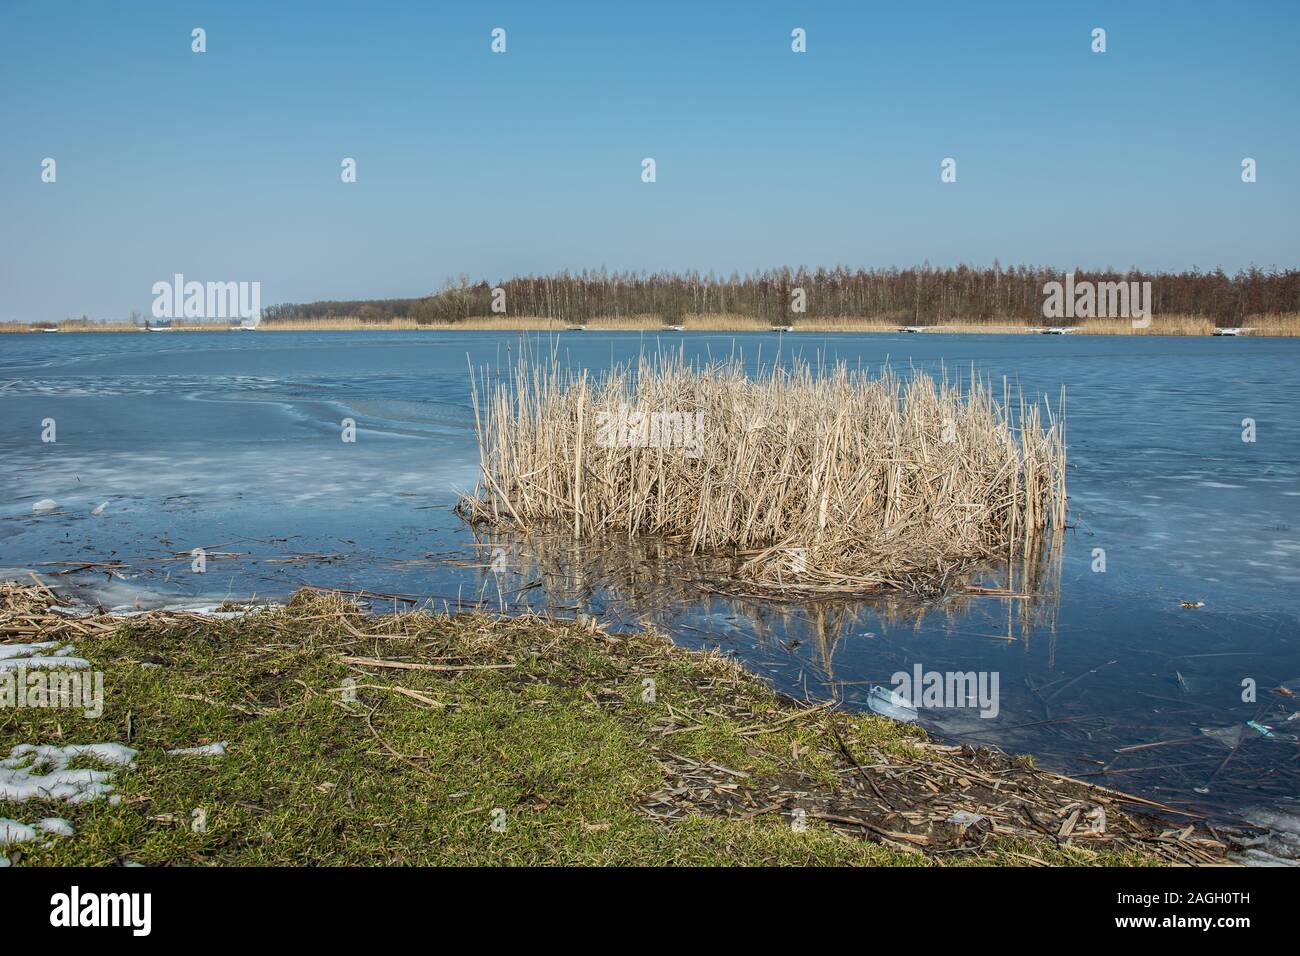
[921,295]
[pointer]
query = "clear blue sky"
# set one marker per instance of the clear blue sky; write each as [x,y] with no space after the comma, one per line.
[225,165]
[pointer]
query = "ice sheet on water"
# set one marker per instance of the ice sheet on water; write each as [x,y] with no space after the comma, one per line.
[1257,857]
[142,485]
[1280,844]
[124,598]
[881,701]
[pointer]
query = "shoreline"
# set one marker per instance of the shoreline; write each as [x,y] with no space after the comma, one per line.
[313,733]
[1285,328]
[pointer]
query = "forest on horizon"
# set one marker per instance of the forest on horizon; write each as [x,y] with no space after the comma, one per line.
[921,295]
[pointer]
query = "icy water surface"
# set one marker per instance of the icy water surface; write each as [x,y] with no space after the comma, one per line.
[231,442]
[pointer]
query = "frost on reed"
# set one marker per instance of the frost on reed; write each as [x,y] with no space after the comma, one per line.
[825,479]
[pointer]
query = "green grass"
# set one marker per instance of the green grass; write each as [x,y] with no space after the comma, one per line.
[562,743]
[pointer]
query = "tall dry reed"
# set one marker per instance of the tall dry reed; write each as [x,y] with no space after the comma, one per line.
[1158,325]
[1284,324]
[825,479]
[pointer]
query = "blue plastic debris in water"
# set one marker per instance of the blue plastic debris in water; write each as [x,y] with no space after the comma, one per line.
[1266,731]
[880,700]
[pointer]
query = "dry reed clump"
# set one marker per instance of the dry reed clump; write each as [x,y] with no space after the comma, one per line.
[78,326]
[725,322]
[814,479]
[200,325]
[1158,325]
[644,322]
[1287,323]
[340,323]
[891,322]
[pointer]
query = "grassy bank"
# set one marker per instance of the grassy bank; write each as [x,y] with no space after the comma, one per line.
[546,727]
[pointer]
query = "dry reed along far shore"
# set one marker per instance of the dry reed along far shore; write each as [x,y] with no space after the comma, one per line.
[1277,325]
[1259,325]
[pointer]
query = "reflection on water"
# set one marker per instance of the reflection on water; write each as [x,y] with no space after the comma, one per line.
[646,581]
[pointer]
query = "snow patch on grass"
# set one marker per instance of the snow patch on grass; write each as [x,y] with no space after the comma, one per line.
[24,650]
[57,825]
[28,656]
[11,831]
[40,772]
[217,749]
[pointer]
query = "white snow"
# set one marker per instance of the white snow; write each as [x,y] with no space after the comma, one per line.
[44,663]
[33,772]
[11,831]
[207,750]
[19,650]
[14,656]
[56,825]
[203,610]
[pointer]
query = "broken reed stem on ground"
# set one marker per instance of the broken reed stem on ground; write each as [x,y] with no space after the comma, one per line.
[820,479]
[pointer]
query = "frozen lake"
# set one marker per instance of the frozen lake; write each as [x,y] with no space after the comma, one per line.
[231,442]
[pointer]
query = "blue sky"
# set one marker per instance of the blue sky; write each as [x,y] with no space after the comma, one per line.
[225,165]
